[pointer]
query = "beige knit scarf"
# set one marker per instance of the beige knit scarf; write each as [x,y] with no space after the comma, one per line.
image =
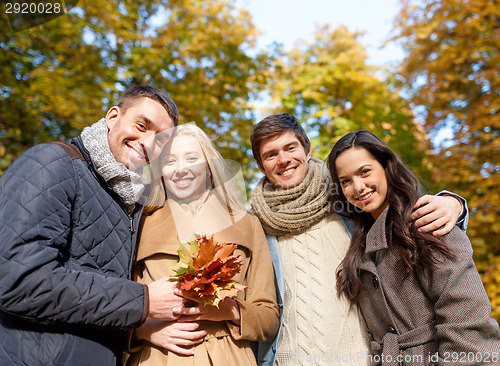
[293,210]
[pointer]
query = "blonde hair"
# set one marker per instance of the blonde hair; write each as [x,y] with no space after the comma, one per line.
[220,176]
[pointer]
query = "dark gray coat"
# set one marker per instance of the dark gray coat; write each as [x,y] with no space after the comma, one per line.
[435,316]
[66,251]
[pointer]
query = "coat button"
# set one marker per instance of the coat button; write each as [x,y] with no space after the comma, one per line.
[375,281]
[391,329]
[273,349]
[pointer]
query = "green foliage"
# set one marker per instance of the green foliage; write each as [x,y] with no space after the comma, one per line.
[63,75]
[51,84]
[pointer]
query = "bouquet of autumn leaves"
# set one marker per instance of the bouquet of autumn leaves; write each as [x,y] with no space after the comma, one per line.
[206,269]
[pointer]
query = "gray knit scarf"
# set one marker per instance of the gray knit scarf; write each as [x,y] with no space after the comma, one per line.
[126,183]
[294,210]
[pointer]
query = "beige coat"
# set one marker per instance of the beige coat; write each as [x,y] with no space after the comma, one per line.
[225,343]
[435,316]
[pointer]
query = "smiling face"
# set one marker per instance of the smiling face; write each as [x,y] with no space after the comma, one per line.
[363,180]
[184,168]
[284,160]
[138,134]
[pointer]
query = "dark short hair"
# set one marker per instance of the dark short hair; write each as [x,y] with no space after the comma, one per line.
[272,127]
[134,93]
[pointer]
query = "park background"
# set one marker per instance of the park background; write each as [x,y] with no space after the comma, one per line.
[437,104]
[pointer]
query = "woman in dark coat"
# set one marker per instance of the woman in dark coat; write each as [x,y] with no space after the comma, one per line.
[421,296]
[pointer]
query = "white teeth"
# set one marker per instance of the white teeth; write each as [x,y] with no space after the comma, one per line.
[183,183]
[365,196]
[288,172]
[136,153]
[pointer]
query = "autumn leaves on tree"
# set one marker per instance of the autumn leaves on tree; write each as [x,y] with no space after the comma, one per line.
[452,72]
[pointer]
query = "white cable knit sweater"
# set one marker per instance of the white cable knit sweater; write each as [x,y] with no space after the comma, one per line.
[318,328]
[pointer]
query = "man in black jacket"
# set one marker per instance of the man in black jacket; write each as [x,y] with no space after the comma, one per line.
[68,228]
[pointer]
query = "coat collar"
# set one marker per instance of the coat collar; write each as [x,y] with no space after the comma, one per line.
[92,168]
[376,239]
[159,229]
[157,234]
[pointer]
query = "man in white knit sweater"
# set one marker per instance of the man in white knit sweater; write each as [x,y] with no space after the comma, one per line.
[308,240]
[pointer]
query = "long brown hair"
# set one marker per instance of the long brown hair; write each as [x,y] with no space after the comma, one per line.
[411,247]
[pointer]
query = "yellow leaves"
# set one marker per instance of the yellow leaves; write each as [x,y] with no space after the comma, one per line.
[66,74]
[491,280]
[451,71]
[330,88]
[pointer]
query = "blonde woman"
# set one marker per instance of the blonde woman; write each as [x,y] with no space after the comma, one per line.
[196,194]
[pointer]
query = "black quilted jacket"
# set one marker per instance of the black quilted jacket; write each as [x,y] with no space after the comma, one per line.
[66,251]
